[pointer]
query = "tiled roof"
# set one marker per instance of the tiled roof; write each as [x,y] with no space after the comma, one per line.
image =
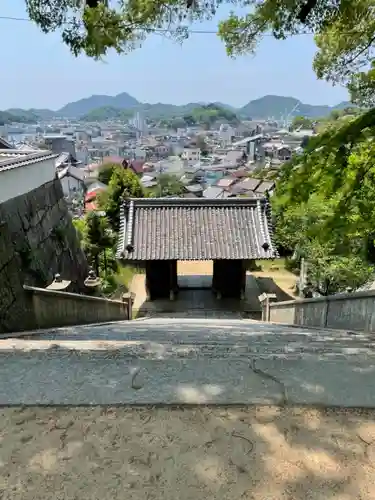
[4,144]
[69,171]
[225,182]
[113,159]
[265,186]
[215,192]
[137,166]
[195,229]
[13,158]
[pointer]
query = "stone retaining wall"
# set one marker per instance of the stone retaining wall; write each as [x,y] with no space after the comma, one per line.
[37,240]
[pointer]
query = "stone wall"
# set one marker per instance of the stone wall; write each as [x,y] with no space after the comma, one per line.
[54,309]
[347,311]
[37,240]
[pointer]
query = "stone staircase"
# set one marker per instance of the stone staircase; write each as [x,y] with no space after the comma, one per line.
[189,361]
[237,336]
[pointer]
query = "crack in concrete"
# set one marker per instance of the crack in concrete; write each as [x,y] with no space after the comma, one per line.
[263,374]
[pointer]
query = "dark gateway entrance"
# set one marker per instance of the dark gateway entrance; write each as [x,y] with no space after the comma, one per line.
[158,232]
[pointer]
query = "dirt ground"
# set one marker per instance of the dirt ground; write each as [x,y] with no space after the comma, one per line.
[191,267]
[187,454]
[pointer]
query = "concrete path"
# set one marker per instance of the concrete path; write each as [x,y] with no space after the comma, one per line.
[175,361]
[196,296]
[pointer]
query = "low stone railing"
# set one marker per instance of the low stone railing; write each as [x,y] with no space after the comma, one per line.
[347,311]
[52,309]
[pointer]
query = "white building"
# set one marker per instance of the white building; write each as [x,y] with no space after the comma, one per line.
[139,123]
[226,132]
[24,171]
[192,156]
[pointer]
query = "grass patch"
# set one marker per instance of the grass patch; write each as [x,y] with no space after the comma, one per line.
[271,265]
[124,276]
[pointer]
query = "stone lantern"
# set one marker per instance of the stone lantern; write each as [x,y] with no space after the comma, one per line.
[59,285]
[92,283]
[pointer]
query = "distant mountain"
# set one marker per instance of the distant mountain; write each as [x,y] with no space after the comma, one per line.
[177,116]
[84,106]
[280,106]
[32,114]
[20,116]
[123,105]
[343,105]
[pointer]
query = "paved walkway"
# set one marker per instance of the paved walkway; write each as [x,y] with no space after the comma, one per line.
[196,299]
[174,361]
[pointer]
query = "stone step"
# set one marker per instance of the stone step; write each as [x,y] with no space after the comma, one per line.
[100,377]
[166,361]
[205,331]
[146,349]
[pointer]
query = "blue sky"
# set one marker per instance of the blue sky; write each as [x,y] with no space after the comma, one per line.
[39,71]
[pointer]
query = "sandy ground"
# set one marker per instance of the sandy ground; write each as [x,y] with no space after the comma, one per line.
[187,454]
[187,267]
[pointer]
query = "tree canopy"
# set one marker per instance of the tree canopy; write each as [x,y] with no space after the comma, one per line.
[106,171]
[344,29]
[107,113]
[123,184]
[167,185]
[324,204]
[301,122]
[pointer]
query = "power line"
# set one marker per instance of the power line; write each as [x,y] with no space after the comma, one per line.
[189,30]
[151,30]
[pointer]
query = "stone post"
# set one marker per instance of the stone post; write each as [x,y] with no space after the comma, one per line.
[59,284]
[265,299]
[128,299]
[92,283]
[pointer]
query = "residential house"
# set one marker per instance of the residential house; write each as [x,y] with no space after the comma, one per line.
[137,166]
[65,159]
[191,155]
[72,181]
[173,165]
[226,132]
[225,182]
[60,144]
[214,192]
[240,173]
[148,181]
[4,144]
[195,189]
[118,160]
[265,187]
[245,187]
[91,196]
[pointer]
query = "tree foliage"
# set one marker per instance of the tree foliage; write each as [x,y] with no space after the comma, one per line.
[201,143]
[168,185]
[106,172]
[324,205]
[107,113]
[123,184]
[95,237]
[301,122]
[7,117]
[344,29]
[209,114]
[99,244]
